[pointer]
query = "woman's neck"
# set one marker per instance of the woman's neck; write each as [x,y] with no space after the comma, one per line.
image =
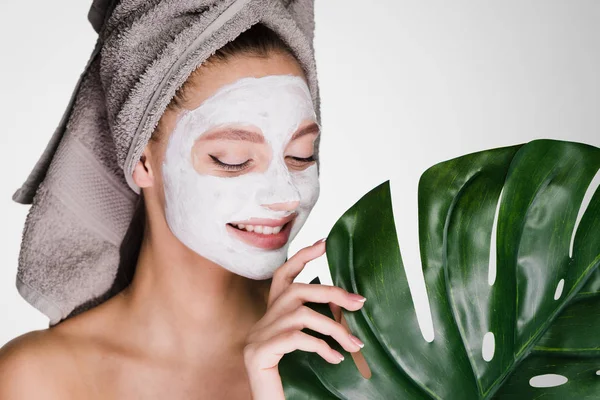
[184,303]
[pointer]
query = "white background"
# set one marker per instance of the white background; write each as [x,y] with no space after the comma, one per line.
[404,85]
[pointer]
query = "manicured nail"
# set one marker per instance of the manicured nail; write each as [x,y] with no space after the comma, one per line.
[319,241]
[357,297]
[356,340]
[337,353]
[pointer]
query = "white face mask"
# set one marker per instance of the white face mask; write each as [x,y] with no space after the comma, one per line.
[199,206]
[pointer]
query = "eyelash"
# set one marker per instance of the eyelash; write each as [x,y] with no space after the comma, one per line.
[307,159]
[239,167]
[231,167]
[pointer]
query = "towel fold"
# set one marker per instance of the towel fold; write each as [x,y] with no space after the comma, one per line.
[81,192]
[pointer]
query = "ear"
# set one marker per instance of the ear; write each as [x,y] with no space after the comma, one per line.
[143,175]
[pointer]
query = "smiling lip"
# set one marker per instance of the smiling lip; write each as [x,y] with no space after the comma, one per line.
[266,222]
[270,241]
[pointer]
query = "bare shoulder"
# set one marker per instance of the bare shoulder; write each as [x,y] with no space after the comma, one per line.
[35,365]
[73,359]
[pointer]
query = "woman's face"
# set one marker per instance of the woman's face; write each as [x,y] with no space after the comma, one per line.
[238,172]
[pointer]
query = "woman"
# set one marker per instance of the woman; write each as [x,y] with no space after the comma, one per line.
[202,317]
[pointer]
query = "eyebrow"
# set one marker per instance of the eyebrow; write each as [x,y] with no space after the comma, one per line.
[312,128]
[242,134]
[234,134]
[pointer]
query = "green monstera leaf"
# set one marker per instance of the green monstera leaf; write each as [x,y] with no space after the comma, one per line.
[541,313]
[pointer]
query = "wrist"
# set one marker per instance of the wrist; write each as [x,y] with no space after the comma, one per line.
[266,385]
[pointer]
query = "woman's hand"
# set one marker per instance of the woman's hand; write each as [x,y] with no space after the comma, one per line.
[279,331]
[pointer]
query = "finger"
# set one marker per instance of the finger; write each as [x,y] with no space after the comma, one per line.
[285,275]
[299,293]
[305,317]
[266,355]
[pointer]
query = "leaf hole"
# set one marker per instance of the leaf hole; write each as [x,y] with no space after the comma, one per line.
[547,380]
[559,289]
[493,251]
[488,347]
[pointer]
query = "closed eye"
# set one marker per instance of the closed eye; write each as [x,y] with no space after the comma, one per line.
[307,159]
[299,163]
[230,167]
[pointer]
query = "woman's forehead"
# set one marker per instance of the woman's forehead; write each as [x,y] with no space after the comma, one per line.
[276,105]
[254,134]
[262,91]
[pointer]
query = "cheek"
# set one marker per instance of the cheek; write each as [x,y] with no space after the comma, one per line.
[307,182]
[159,185]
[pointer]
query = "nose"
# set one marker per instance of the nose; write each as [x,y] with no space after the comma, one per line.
[287,206]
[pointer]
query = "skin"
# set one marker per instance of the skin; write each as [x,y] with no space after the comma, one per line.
[186,328]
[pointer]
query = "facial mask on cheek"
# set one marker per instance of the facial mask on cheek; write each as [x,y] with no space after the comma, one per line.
[199,206]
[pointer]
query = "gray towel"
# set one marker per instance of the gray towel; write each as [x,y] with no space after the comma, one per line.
[82,195]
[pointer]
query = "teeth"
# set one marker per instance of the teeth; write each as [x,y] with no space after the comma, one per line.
[265,230]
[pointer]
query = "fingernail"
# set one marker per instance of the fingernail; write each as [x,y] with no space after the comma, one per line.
[358,297]
[337,353]
[356,340]
[319,241]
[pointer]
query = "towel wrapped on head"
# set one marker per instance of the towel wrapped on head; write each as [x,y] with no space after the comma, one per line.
[81,190]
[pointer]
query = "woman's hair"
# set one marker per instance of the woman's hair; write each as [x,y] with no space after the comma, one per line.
[258,41]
